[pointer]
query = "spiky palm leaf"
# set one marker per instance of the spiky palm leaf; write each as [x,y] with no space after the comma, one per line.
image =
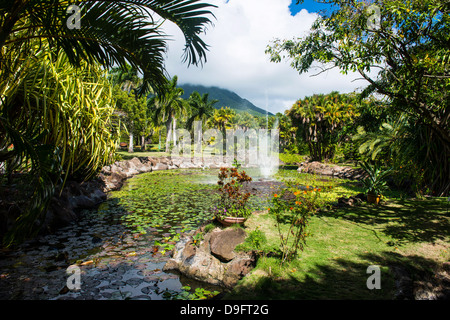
[62,136]
[112,32]
[375,182]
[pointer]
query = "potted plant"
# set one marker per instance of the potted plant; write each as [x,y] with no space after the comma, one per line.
[375,182]
[232,207]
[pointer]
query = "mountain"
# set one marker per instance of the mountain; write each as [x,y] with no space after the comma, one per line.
[226,98]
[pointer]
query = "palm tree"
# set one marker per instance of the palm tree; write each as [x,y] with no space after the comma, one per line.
[168,107]
[113,33]
[126,78]
[223,119]
[246,121]
[201,108]
[59,129]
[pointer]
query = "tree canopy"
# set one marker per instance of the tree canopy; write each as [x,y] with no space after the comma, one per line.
[402,50]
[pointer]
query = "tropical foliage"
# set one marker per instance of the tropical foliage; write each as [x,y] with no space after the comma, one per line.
[133,113]
[375,182]
[111,32]
[292,209]
[233,196]
[201,108]
[59,128]
[55,104]
[319,119]
[405,58]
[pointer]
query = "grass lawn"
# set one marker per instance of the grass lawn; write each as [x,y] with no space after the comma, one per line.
[153,151]
[344,242]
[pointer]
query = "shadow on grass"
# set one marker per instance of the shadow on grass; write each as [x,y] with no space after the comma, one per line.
[341,279]
[402,220]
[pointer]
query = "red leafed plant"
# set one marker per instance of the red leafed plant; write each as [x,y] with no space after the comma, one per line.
[233,199]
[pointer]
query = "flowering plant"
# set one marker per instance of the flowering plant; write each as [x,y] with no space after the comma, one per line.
[292,209]
[233,199]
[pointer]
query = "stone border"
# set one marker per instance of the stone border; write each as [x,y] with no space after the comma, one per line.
[316,167]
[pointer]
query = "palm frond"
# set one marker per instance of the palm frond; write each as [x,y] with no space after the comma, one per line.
[112,33]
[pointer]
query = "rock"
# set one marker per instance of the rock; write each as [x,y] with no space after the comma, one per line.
[201,264]
[223,243]
[238,269]
[446,267]
[58,215]
[189,250]
[114,181]
[82,202]
[171,264]
[98,196]
[186,165]
[160,166]
[164,160]
[316,167]
[177,161]
[349,202]
[135,163]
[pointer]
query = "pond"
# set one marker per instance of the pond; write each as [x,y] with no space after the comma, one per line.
[122,246]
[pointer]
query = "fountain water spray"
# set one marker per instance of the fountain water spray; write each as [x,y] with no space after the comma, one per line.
[251,148]
[268,158]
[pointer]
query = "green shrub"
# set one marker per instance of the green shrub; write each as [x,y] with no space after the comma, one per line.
[254,241]
[291,158]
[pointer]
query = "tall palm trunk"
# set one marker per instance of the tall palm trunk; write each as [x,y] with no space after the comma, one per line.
[159,143]
[169,133]
[130,144]
[174,131]
[142,143]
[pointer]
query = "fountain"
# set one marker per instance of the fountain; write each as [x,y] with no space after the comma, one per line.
[268,158]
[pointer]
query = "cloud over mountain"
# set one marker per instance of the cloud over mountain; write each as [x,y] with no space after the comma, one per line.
[237,61]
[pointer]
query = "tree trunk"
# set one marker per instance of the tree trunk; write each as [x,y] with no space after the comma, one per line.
[130,145]
[159,143]
[174,130]
[169,133]
[142,143]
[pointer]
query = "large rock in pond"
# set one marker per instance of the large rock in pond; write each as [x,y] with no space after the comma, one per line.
[222,244]
[213,260]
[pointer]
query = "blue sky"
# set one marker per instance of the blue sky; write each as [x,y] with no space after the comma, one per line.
[310,5]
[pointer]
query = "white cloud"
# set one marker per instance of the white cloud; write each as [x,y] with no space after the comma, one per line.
[237,60]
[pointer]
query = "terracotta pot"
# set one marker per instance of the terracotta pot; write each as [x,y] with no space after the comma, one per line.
[373,198]
[228,221]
